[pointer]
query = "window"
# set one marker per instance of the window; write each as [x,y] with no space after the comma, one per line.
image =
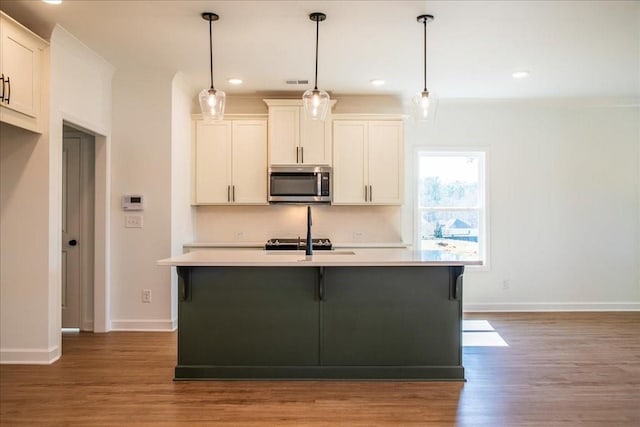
[451,204]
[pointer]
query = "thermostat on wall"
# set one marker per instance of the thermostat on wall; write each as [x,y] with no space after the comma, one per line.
[133,202]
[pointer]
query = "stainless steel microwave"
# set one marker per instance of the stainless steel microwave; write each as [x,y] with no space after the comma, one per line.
[300,184]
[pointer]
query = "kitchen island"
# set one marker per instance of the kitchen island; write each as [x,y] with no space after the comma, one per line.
[363,314]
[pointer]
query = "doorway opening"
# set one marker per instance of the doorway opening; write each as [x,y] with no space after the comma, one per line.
[78,228]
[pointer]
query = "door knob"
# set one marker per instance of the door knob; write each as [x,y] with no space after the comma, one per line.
[73,242]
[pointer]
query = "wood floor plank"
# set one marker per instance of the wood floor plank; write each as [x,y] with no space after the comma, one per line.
[560,369]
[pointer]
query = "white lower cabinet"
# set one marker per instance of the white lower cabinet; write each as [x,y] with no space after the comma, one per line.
[230,162]
[368,162]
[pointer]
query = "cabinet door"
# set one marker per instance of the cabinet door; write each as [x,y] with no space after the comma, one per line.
[249,316]
[349,167]
[212,162]
[284,135]
[315,141]
[390,316]
[249,162]
[386,155]
[20,53]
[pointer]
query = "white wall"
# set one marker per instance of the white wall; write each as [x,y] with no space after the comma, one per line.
[141,164]
[182,214]
[24,247]
[564,200]
[81,96]
[77,88]
[256,224]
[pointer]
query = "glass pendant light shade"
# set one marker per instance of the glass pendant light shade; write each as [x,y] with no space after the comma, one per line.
[212,104]
[421,105]
[316,104]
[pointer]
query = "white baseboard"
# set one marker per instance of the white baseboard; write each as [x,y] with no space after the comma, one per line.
[552,306]
[23,356]
[144,325]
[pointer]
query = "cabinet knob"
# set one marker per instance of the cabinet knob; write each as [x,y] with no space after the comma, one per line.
[73,242]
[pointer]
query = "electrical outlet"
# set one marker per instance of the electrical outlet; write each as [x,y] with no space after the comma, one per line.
[358,235]
[146,295]
[505,285]
[239,235]
[133,221]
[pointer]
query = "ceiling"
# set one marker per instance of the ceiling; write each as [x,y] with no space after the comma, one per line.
[570,48]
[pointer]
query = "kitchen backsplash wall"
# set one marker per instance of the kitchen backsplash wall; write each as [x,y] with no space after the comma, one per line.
[342,224]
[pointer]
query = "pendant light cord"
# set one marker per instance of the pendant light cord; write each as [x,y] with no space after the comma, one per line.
[317,33]
[425,54]
[211,51]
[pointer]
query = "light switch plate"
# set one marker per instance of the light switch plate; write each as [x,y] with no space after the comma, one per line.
[133,221]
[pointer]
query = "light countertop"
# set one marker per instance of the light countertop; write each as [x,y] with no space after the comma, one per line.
[343,257]
[249,245]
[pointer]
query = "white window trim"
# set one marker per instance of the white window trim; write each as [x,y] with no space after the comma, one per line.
[485,222]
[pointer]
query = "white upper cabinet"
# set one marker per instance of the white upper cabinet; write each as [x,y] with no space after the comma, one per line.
[20,69]
[249,161]
[368,162]
[295,140]
[284,135]
[230,159]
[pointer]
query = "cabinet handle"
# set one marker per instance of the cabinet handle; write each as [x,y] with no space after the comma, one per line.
[297,154]
[184,283]
[365,193]
[456,274]
[370,193]
[2,94]
[228,193]
[321,289]
[301,154]
[233,193]
[8,90]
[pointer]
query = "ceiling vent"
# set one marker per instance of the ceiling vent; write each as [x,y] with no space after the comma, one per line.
[297,82]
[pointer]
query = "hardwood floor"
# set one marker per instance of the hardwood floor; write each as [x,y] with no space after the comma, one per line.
[560,369]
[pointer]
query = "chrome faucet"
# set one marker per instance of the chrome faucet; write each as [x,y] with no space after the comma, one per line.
[309,249]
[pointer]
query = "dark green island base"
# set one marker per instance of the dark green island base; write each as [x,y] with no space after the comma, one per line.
[352,322]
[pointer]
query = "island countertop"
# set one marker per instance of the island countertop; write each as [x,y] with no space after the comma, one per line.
[347,258]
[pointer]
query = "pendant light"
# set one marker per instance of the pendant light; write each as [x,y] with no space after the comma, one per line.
[315,101]
[422,100]
[211,100]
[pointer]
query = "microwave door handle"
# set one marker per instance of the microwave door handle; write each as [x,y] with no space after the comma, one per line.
[319,184]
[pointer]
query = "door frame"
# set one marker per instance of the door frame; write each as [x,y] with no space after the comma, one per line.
[86,230]
[101,235]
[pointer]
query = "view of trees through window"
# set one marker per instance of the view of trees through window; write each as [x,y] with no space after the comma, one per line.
[451,202]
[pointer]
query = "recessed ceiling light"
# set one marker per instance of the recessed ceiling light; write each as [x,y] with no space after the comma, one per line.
[52,1]
[377,82]
[235,81]
[520,75]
